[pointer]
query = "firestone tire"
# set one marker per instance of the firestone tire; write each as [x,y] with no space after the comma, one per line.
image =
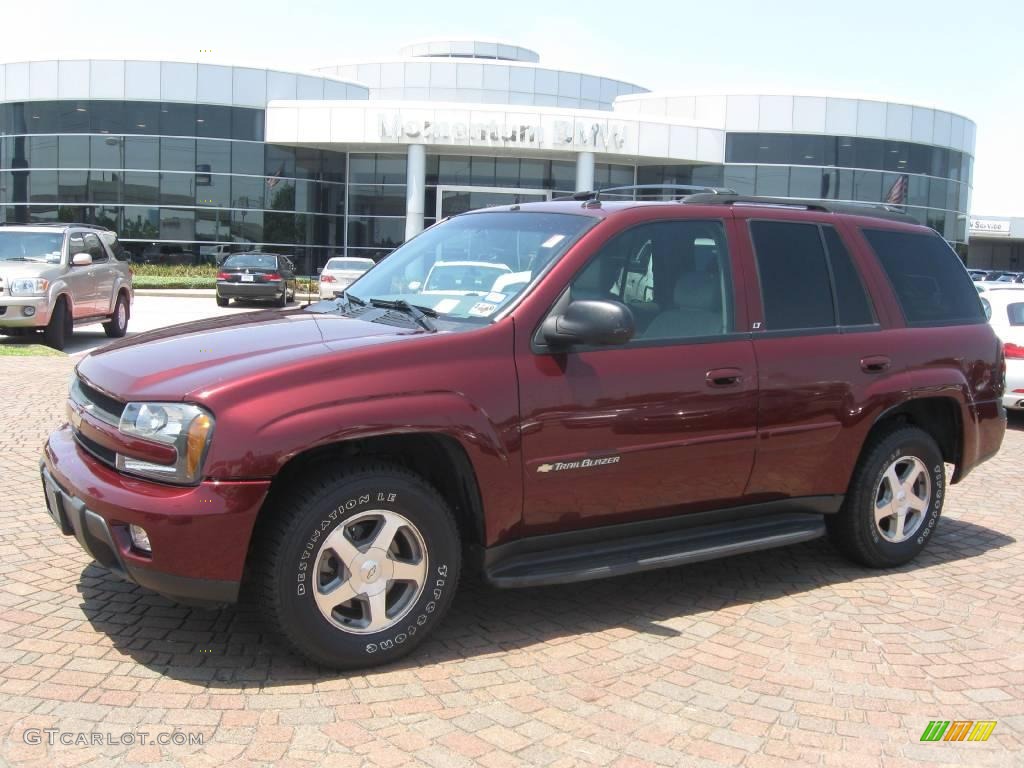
[323,564]
[894,501]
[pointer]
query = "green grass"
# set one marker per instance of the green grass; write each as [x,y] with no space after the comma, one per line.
[12,348]
[154,281]
[160,270]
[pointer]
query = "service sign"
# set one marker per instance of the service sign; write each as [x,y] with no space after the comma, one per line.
[990,227]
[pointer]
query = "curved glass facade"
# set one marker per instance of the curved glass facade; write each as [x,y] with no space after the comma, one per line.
[174,179]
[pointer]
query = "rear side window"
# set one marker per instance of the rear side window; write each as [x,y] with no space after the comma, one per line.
[851,299]
[930,281]
[1015,313]
[795,287]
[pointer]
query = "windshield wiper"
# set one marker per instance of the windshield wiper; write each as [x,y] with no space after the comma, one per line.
[352,299]
[21,258]
[421,315]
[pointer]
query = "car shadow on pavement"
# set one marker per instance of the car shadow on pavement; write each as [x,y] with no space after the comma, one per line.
[234,648]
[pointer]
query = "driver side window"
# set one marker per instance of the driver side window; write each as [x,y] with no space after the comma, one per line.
[673,275]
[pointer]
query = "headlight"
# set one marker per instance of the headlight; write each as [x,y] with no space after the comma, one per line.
[187,428]
[28,286]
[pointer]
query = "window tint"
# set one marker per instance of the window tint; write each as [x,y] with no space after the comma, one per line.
[931,283]
[673,275]
[851,299]
[95,249]
[795,286]
[1015,313]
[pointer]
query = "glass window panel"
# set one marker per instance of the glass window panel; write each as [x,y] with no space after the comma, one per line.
[332,199]
[74,117]
[246,158]
[333,166]
[104,186]
[141,187]
[213,189]
[140,223]
[178,119]
[563,175]
[897,156]
[177,224]
[378,201]
[42,116]
[936,219]
[375,232]
[920,159]
[917,190]
[141,153]
[851,298]
[791,262]
[453,170]
[430,202]
[280,161]
[73,186]
[279,227]
[867,186]
[811,150]
[869,153]
[247,124]
[740,178]
[109,118]
[774,148]
[177,154]
[111,219]
[739,148]
[620,175]
[73,152]
[708,175]
[213,121]
[177,189]
[247,226]
[937,193]
[105,152]
[391,169]
[955,164]
[431,174]
[845,152]
[940,162]
[772,181]
[952,196]
[141,117]
[362,169]
[805,182]
[213,156]
[307,196]
[965,168]
[247,191]
[482,171]
[279,195]
[42,186]
[506,172]
[308,163]
[42,152]
[213,225]
[532,173]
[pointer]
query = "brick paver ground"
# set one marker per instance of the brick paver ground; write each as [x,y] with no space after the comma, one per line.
[783,658]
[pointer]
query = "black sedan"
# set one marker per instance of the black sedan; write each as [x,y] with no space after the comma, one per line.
[256,276]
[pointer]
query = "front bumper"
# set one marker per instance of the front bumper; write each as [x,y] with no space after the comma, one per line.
[200,535]
[12,313]
[229,290]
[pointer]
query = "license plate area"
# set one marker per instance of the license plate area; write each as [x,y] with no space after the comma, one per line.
[248,278]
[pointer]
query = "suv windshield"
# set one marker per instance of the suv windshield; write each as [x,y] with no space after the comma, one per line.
[44,247]
[251,260]
[472,265]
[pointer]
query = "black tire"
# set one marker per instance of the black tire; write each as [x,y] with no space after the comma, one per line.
[854,530]
[221,301]
[283,300]
[60,327]
[300,522]
[117,326]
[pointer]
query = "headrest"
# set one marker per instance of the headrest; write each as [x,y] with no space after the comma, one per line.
[697,290]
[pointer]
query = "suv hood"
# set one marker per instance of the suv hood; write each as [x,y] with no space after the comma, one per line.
[12,269]
[172,363]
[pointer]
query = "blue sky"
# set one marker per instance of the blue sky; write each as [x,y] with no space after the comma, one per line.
[965,57]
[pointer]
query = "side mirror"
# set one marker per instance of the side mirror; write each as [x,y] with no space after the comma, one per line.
[602,323]
[81,260]
[415,285]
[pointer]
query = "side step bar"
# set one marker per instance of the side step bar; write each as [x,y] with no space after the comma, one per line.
[618,556]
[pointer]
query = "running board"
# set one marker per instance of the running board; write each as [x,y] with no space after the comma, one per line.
[617,556]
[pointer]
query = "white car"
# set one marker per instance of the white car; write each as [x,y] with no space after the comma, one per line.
[463,277]
[340,272]
[1005,310]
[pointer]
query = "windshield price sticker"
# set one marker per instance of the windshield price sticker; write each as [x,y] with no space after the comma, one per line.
[482,309]
[552,241]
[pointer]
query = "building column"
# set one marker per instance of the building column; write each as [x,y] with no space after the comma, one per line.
[415,189]
[585,172]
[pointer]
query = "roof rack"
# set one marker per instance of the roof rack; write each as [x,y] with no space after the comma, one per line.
[874,210]
[685,189]
[54,224]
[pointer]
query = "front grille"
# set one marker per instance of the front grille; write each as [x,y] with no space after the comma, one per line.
[103,402]
[105,455]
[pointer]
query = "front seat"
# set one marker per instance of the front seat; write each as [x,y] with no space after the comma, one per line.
[698,309]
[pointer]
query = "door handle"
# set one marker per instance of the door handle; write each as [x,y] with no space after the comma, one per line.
[723,377]
[874,363]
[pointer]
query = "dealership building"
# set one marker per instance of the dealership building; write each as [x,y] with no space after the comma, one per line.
[187,160]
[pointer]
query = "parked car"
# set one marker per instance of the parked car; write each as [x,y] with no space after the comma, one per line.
[1005,310]
[977,274]
[256,276]
[462,278]
[676,381]
[54,277]
[339,273]
[169,256]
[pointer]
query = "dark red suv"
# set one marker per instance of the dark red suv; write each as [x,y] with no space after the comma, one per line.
[564,391]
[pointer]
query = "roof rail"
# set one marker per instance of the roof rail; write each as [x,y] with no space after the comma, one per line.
[685,189]
[874,210]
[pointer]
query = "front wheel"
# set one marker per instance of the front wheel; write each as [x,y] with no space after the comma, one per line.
[894,501]
[362,566]
[61,326]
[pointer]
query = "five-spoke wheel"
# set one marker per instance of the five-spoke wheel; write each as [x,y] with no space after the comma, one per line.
[902,499]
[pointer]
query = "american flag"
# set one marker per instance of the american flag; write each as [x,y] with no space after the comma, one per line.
[897,194]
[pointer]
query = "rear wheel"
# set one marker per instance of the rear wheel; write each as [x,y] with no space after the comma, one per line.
[282,300]
[117,326]
[895,499]
[60,327]
[360,566]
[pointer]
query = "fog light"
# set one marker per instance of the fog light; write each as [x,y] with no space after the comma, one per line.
[28,311]
[140,539]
